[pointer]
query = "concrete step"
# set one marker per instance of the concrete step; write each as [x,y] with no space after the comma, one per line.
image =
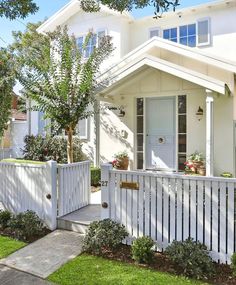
[79,220]
[71,226]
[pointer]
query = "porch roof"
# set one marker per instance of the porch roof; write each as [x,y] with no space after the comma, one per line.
[123,71]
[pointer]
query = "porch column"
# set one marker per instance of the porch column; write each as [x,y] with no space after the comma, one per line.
[209,133]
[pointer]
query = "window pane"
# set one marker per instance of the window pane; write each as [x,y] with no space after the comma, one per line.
[166,34]
[173,33]
[140,106]
[174,40]
[183,31]
[192,41]
[182,143]
[140,125]
[182,124]
[140,142]
[140,160]
[154,33]
[182,159]
[192,29]
[203,31]
[183,41]
[182,104]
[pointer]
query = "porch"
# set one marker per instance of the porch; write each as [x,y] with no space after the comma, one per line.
[150,108]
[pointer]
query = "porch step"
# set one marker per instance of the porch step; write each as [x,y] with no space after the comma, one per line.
[79,220]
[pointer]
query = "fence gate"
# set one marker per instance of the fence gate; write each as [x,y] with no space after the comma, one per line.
[73,187]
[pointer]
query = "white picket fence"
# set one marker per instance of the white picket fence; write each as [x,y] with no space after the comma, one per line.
[47,189]
[73,187]
[171,207]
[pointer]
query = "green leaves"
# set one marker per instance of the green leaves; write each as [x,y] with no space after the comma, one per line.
[7,80]
[159,6]
[17,8]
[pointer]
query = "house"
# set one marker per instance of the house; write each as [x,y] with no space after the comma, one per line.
[171,85]
[13,139]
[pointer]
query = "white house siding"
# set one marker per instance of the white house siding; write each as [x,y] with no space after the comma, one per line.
[116,26]
[154,83]
[222,27]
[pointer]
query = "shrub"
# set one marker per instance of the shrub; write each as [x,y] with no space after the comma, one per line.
[191,257]
[26,226]
[233,264]
[142,250]
[5,217]
[95,176]
[104,235]
[51,148]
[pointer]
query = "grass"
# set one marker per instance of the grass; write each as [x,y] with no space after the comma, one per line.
[11,160]
[9,245]
[91,270]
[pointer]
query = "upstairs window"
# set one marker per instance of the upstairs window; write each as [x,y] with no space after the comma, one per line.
[154,32]
[192,35]
[203,35]
[187,35]
[93,42]
[170,34]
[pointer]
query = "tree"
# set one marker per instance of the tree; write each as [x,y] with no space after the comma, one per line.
[160,6]
[13,9]
[65,85]
[6,85]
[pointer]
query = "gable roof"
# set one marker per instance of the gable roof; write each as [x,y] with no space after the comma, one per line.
[69,10]
[140,57]
[157,42]
[168,67]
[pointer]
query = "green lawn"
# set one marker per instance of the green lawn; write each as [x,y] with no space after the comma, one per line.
[9,245]
[90,270]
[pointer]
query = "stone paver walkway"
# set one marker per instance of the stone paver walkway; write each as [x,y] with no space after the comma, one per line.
[46,255]
[9,276]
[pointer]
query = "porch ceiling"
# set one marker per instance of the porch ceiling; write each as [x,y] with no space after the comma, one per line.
[146,60]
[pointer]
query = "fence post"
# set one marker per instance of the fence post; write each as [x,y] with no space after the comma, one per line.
[51,195]
[105,190]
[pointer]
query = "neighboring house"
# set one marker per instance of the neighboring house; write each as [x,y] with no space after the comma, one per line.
[13,140]
[171,85]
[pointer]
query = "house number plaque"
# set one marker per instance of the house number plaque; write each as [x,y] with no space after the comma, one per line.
[129,185]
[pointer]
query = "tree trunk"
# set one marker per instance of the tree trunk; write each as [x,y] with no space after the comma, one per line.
[70,145]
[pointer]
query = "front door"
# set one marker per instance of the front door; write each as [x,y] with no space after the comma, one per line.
[160,133]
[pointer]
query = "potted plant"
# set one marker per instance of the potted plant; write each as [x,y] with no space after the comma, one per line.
[121,161]
[195,164]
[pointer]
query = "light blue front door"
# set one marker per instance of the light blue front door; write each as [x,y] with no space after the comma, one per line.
[160,133]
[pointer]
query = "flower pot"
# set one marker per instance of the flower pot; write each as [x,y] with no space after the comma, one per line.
[197,164]
[201,170]
[122,163]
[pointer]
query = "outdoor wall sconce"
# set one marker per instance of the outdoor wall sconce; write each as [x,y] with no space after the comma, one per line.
[199,114]
[121,113]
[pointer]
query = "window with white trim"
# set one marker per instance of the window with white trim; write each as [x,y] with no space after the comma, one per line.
[203,32]
[187,35]
[83,129]
[170,34]
[154,32]
[192,35]
[93,42]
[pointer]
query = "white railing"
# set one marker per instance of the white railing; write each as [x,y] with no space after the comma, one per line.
[171,207]
[29,187]
[73,187]
[38,187]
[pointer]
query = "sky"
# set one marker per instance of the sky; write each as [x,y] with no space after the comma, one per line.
[48,7]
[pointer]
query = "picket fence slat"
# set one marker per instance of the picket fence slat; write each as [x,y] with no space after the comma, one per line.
[169,206]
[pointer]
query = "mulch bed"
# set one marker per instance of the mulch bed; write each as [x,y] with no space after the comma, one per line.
[8,233]
[162,263]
